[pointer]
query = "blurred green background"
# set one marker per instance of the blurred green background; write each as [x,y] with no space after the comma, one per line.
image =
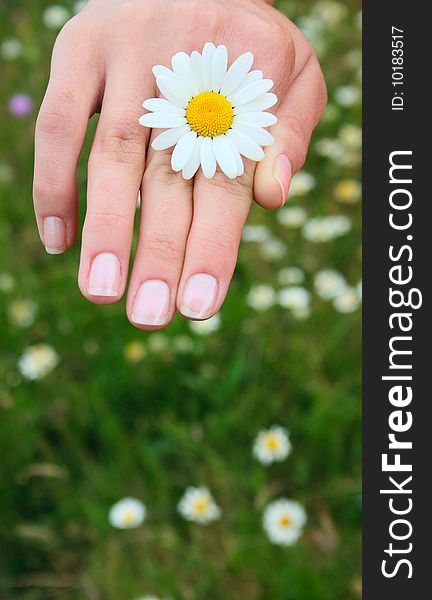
[93,410]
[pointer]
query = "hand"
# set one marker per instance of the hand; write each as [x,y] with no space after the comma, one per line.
[189,230]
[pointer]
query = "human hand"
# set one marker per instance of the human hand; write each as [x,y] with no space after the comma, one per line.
[189,230]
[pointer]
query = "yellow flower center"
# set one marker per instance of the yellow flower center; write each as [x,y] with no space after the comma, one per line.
[201,505]
[128,518]
[209,114]
[285,522]
[272,442]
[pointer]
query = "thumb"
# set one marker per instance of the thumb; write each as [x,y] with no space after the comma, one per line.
[298,115]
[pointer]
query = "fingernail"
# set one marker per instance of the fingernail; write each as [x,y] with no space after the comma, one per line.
[105,275]
[283,174]
[199,296]
[54,235]
[151,304]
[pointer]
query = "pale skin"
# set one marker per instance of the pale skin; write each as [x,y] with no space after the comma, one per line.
[189,230]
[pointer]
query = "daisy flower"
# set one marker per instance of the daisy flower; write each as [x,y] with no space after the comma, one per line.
[283,521]
[212,114]
[272,445]
[38,361]
[127,513]
[197,505]
[261,297]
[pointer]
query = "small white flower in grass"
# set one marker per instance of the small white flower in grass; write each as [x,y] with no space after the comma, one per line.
[351,136]
[330,12]
[301,184]
[261,297]
[7,282]
[213,114]
[348,191]
[329,284]
[272,445]
[348,301]
[348,95]
[11,49]
[54,17]
[128,513]
[359,288]
[273,249]
[324,229]
[283,521]
[292,216]
[22,312]
[295,298]
[206,327]
[197,505]
[37,361]
[290,276]
[331,148]
[256,233]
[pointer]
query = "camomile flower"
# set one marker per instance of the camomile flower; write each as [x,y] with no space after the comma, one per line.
[272,445]
[127,513]
[301,184]
[23,312]
[37,361]
[54,17]
[197,505]
[348,191]
[206,327]
[348,301]
[261,297]
[324,229]
[329,284]
[283,521]
[213,115]
[292,216]
[297,300]
[290,276]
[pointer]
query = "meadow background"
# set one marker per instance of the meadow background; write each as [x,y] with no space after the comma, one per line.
[93,410]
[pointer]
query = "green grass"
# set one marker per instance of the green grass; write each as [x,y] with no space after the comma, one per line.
[101,427]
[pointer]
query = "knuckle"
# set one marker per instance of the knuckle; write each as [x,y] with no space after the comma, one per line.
[56,115]
[239,189]
[162,249]
[46,187]
[218,242]
[121,141]
[159,174]
[106,221]
[208,23]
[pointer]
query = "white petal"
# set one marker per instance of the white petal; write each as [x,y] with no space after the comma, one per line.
[208,160]
[183,151]
[181,64]
[224,156]
[248,93]
[261,103]
[162,105]
[207,57]
[218,68]
[259,135]
[249,148]
[237,73]
[256,119]
[194,162]
[161,71]
[162,120]
[239,161]
[199,72]
[173,91]
[169,138]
